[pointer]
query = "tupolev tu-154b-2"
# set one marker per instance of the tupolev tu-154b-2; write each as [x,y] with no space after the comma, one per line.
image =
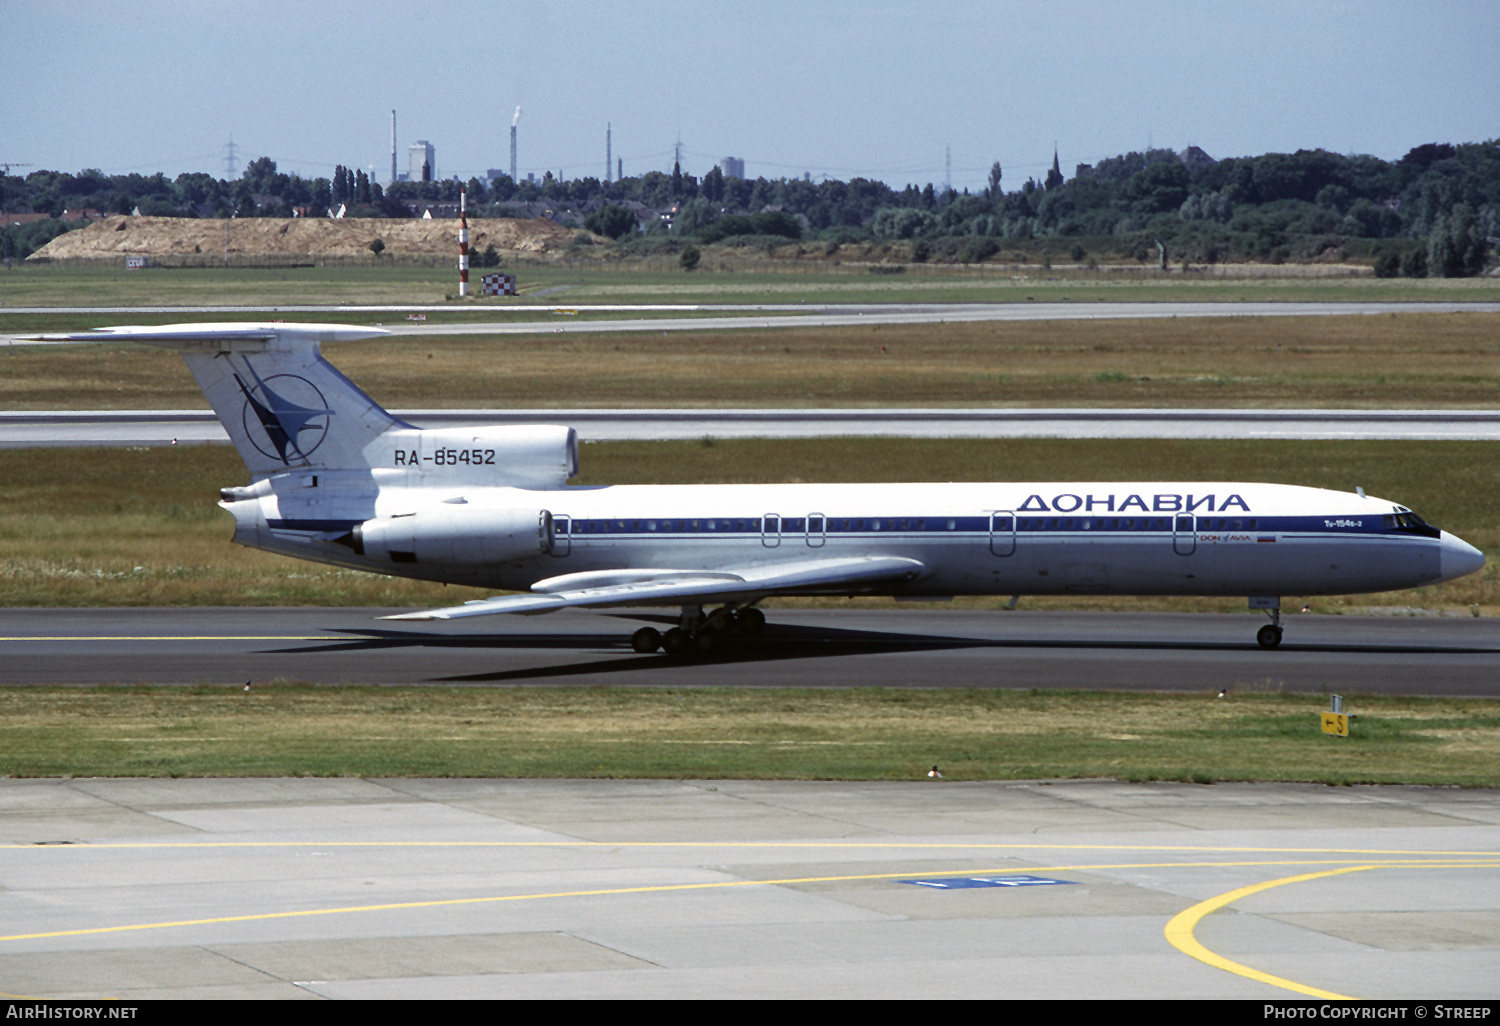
[337,479]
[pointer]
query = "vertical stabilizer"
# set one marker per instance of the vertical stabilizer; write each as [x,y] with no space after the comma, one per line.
[283,405]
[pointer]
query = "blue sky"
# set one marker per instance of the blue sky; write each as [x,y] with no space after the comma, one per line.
[826,87]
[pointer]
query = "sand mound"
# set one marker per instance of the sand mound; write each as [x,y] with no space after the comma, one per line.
[179,240]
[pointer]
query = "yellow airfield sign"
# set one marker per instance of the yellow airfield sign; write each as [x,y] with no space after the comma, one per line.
[1336,724]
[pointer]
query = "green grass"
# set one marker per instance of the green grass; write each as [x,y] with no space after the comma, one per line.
[835,734]
[133,526]
[791,279]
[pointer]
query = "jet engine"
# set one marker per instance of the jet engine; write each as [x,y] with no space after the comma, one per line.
[455,538]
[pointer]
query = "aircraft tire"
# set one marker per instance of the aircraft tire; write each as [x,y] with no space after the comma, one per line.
[646,640]
[751,621]
[1269,636]
[674,642]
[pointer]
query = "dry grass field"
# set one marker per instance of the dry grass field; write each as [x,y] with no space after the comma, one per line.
[1395,361]
[707,733]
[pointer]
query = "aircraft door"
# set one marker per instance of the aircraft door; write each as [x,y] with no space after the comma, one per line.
[1002,532]
[817,530]
[770,530]
[561,541]
[1184,534]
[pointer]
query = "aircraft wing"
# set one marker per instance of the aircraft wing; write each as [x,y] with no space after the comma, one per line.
[684,587]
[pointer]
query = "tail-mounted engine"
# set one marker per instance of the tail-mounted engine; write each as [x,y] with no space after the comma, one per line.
[454,537]
[516,456]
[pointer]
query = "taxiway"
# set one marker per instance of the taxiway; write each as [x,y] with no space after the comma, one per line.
[369,889]
[909,647]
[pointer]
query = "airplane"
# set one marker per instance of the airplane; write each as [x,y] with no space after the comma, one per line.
[336,479]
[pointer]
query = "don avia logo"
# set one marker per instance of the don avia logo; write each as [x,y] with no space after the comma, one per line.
[285,416]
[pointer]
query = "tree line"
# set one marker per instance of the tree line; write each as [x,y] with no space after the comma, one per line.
[1432,212]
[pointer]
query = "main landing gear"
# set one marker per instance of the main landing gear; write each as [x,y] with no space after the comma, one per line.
[700,635]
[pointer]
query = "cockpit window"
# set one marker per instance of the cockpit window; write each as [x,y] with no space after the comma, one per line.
[1409,521]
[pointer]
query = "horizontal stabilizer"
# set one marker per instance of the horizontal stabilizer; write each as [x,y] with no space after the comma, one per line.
[223,337]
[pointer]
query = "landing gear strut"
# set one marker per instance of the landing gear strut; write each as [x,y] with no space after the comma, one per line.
[1268,636]
[697,634]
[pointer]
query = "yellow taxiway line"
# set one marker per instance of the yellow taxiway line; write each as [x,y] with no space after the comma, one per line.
[1179,931]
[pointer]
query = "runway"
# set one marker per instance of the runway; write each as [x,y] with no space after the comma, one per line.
[20,430]
[905,647]
[835,315]
[367,889]
[719,316]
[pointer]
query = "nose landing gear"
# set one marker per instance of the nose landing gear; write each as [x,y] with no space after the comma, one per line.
[1268,636]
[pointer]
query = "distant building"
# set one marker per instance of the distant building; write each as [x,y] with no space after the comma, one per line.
[1195,158]
[1083,169]
[421,162]
[732,167]
[432,209]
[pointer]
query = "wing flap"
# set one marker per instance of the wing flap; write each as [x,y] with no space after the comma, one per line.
[674,587]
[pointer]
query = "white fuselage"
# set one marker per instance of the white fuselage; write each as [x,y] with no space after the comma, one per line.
[1188,538]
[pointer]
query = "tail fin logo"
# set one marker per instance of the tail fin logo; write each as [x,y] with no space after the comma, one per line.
[291,415]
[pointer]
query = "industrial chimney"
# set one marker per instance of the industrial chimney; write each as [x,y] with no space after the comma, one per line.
[393,146]
[513,143]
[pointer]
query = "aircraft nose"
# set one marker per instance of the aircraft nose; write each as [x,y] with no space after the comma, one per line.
[1457,557]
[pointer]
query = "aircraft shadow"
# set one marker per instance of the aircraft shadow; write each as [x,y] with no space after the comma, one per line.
[782,642]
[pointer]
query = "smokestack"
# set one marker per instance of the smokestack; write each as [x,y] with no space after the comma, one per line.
[513,122]
[463,240]
[609,158]
[393,146]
